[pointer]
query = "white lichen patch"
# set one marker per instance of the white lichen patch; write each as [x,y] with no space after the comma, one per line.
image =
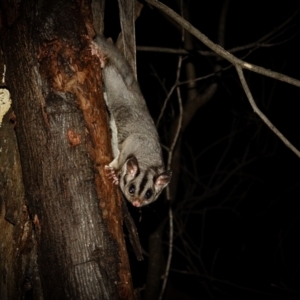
[5,103]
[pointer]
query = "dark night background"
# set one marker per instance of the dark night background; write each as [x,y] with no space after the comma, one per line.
[236,216]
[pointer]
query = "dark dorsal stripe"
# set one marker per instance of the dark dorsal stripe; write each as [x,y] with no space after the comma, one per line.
[143,183]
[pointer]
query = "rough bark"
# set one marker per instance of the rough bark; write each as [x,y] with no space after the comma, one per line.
[17,250]
[64,142]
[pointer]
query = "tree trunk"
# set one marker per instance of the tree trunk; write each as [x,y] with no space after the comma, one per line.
[64,143]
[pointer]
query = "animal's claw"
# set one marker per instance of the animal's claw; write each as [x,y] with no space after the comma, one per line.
[110,173]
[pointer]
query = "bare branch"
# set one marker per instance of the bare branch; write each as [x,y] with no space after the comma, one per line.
[171,231]
[238,63]
[178,130]
[127,35]
[218,49]
[268,37]
[260,113]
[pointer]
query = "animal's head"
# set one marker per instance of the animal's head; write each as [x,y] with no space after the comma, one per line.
[141,187]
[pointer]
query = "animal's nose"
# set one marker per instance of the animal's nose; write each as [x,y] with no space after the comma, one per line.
[136,203]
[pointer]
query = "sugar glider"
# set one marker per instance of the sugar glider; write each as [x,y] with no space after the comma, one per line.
[138,166]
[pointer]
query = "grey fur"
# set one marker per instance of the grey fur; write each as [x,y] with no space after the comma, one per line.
[138,157]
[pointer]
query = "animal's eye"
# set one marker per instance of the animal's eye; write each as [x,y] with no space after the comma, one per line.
[148,194]
[131,189]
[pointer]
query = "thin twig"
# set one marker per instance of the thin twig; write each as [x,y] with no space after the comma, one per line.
[261,115]
[166,102]
[171,149]
[171,232]
[171,91]
[179,125]
[160,81]
[170,156]
[260,43]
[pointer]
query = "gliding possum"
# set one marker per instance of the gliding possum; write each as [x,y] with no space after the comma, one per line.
[138,166]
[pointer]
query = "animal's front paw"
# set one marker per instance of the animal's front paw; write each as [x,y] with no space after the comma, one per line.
[111,174]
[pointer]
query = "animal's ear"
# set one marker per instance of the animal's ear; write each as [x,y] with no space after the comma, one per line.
[163,179]
[132,167]
[110,41]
